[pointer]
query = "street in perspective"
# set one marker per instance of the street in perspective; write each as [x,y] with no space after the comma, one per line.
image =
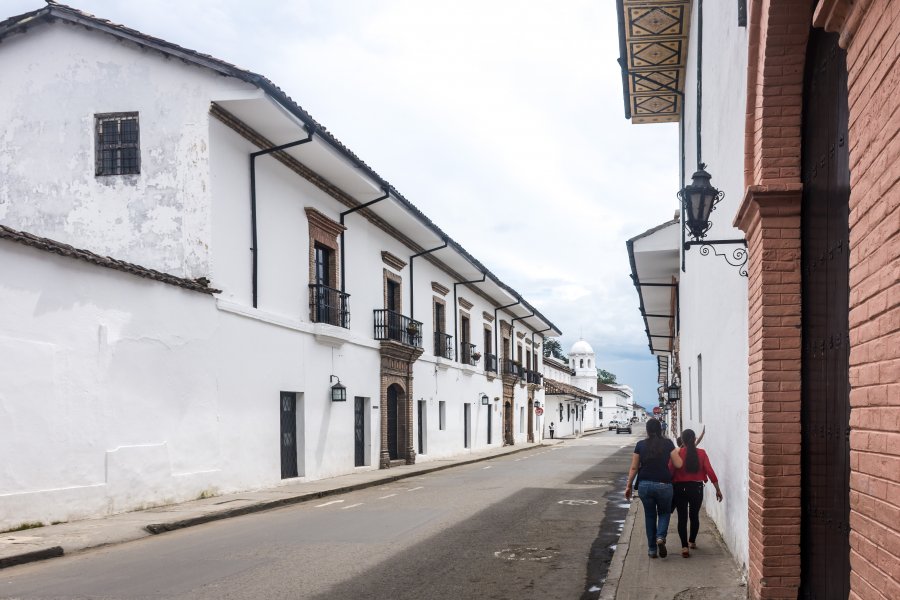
[541,523]
[414,299]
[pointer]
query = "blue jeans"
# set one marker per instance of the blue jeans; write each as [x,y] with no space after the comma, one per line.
[657,500]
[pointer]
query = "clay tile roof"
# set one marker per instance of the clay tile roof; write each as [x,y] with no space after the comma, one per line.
[48,245]
[553,387]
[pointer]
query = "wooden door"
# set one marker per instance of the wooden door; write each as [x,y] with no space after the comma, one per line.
[825,408]
[288,435]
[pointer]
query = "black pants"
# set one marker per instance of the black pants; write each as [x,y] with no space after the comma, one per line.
[687,499]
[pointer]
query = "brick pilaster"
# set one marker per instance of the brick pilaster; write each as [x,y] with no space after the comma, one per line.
[770,217]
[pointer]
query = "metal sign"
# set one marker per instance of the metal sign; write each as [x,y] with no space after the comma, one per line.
[539,411]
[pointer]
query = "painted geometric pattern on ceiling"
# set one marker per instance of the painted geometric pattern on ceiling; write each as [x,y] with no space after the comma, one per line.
[656,43]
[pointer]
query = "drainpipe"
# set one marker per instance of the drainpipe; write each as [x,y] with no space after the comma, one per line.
[534,333]
[343,249]
[253,241]
[496,333]
[456,310]
[412,286]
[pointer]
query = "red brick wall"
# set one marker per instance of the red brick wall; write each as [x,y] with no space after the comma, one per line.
[870,31]
[874,94]
[770,216]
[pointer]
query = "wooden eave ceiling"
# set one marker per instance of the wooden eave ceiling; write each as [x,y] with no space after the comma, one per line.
[655,45]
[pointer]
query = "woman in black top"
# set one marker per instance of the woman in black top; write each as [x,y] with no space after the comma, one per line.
[651,464]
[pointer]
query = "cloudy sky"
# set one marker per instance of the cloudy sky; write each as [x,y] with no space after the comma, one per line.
[508,109]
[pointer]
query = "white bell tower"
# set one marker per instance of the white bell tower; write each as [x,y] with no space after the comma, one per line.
[583,361]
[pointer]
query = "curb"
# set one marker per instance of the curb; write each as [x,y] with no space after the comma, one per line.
[617,565]
[157,528]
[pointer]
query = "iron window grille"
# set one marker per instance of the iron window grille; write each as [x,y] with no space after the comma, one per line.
[443,345]
[117,144]
[490,362]
[328,305]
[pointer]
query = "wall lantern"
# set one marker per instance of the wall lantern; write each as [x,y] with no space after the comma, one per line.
[698,200]
[485,400]
[674,393]
[338,390]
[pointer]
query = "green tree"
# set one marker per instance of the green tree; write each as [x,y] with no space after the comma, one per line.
[604,376]
[552,348]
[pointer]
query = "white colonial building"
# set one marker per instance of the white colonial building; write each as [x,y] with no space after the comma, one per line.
[575,401]
[204,291]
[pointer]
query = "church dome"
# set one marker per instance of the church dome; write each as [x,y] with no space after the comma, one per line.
[581,347]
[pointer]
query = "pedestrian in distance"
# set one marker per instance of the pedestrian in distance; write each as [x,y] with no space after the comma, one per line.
[552,429]
[663,425]
[650,462]
[688,480]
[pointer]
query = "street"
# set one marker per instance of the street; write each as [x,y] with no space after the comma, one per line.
[536,524]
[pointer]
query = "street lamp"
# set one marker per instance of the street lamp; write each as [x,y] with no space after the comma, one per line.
[698,200]
[338,390]
[674,393]
[485,400]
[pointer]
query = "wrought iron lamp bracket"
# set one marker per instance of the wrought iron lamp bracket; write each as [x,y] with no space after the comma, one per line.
[736,258]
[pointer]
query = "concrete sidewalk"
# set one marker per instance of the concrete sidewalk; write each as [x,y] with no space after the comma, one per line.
[30,545]
[709,574]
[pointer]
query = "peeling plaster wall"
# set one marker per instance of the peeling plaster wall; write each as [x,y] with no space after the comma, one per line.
[56,77]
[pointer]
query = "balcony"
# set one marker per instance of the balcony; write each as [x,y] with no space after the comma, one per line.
[534,377]
[328,305]
[468,354]
[511,367]
[443,345]
[390,325]
[490,362]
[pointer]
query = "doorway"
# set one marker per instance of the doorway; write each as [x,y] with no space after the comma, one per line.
[359,431]
[393,414]
[825,389]
[288,439]
[421,431]
[467,423]
[507,423]
[490,424]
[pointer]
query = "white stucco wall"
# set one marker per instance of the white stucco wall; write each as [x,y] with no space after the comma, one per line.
[56,78]
[717,330]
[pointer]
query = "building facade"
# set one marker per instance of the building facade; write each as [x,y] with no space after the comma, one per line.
[204,291]
[807,94]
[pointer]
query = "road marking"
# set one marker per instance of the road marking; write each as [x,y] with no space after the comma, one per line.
[488,467]
[327,503]
[415,488]
[351,506]
[577,502]
[388,496]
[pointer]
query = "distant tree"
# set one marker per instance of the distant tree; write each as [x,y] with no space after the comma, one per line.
[552,348]
[604,376]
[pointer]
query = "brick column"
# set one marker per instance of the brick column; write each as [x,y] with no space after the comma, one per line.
[770,217]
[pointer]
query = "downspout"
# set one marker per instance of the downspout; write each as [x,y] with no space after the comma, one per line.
[512,330]
[253,237]
[496,332]
[456,310]
[343,249]
[699,116]
[412,281]
[534,333]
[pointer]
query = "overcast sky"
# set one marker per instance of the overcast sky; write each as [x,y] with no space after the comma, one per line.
[501,119]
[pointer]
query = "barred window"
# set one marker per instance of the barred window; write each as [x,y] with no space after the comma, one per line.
[117,144]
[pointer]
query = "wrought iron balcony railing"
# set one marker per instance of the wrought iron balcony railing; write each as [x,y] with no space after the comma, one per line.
[443,345]
[468,354]
[534,377]
[390,325]
[511,367]
[328,305]
[490,362]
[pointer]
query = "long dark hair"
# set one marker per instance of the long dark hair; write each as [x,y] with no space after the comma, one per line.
[691,460]
[656,448]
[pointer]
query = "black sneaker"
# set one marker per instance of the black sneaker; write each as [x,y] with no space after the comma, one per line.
[661,547]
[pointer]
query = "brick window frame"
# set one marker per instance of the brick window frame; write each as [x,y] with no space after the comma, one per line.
[325,232]
[398,298]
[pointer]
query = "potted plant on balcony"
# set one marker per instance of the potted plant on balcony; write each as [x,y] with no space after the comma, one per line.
[412,329]
[476,356]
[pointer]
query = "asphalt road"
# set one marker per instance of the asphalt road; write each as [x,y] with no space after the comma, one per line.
[536,524]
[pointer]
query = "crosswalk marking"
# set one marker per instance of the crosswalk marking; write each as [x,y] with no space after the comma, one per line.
[351,506]
[327,503]
[388,496]
[415,488]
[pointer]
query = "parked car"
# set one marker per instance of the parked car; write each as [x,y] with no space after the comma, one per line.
[623,427]
[613,425]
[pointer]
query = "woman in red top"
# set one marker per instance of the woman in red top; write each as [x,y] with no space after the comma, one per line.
[688,492]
